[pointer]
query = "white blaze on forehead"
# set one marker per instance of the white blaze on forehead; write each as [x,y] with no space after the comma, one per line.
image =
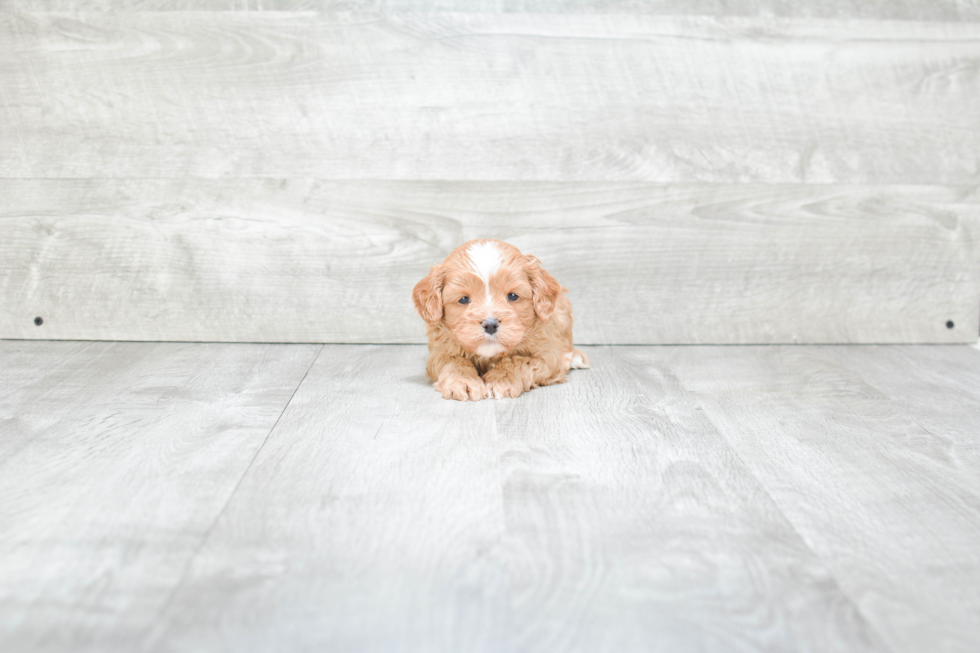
[485,260]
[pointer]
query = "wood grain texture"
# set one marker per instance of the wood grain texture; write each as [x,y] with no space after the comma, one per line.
[878,9]
[693,498]
[939,389]
[889,500]
[423,95]
[326,261]
[368,523]
[600,515]
[115,460]
[632,525]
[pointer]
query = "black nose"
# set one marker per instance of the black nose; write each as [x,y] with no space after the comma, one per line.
[490,326]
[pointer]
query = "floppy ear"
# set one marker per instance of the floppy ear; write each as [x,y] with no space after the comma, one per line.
[544,289]
[427,295]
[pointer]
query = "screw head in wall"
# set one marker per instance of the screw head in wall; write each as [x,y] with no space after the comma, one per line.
[39,321]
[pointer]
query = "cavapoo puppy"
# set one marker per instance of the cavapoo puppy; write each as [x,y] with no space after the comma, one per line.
[498,324]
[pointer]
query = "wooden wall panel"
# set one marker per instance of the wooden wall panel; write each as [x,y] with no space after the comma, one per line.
[865,9]
[694,172]
[335,261]
[489,97]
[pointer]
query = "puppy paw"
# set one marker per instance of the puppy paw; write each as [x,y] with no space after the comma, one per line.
[462,388]
[502,384]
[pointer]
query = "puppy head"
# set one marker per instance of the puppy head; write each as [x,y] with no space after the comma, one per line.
[488,295]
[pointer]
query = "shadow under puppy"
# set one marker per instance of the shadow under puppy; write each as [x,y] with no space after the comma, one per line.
[498,324]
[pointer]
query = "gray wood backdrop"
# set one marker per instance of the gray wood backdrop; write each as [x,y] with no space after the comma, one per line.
[693,172]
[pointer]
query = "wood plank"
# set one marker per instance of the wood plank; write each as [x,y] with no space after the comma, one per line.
[328,261]
[368,522]
[423,95]
[893,508]
[939,389]
[952,10]
[30,373]
[631,521]
[115,460]
[603,514]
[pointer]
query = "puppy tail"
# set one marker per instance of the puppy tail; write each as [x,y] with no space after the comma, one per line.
[578,359]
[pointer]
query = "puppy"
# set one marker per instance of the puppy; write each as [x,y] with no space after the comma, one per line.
[498,324]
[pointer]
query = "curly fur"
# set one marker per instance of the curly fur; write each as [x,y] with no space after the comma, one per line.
[532,344]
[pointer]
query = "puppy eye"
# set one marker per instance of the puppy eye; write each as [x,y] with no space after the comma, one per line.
[464,300]
[513,297]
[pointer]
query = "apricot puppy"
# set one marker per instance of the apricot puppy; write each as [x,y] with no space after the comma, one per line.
[498,324]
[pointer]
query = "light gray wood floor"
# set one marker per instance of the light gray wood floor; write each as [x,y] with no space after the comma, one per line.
[189,497]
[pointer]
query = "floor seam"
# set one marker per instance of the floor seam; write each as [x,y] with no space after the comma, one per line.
[738,456]
[844,593]
[207,533]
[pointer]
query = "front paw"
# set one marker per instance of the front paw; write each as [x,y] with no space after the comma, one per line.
[462,388]
[502,383]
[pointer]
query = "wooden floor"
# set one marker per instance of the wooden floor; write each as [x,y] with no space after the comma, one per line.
[232,497]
